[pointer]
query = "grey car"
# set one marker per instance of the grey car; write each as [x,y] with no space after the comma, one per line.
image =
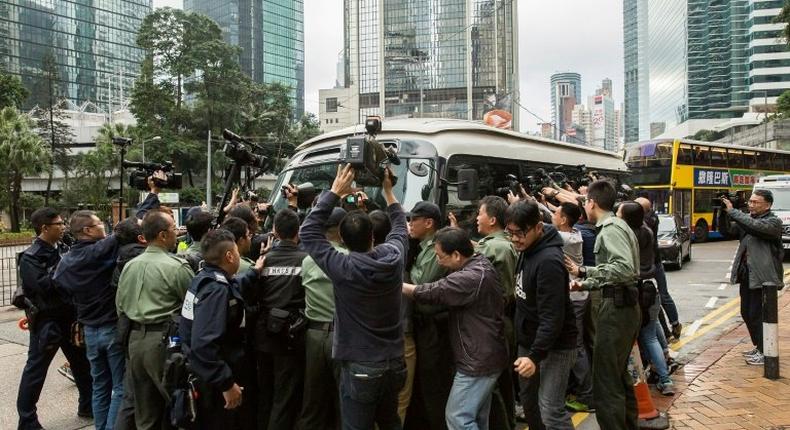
[674,241]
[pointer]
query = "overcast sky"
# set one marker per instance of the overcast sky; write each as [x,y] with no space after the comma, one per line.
[554,35]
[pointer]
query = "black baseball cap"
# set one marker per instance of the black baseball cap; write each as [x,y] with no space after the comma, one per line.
[426,210]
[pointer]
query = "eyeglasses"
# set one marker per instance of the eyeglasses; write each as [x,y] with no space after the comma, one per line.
[519,234]
[56,223]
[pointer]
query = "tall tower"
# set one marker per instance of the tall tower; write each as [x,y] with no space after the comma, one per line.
[270,34]
[566,89]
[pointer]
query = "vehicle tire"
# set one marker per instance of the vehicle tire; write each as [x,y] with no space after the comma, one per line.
[701,231]
[688,257]
[679,259]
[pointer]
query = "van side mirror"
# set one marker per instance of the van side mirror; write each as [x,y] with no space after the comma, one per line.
[468,184]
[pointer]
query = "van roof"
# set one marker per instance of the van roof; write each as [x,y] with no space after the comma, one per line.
[774,179]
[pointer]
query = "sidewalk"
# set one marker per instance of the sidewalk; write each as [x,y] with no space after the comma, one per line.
[718,390]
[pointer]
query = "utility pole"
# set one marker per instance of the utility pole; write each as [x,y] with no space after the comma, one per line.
[765,129]
[208,173]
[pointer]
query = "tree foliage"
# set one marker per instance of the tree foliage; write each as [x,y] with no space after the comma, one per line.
[22,153]
[707,135]
[12,92]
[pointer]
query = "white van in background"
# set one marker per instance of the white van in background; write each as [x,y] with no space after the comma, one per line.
[780,187]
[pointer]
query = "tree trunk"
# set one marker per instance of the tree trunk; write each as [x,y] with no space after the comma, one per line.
[52,147]
[189,175]
[16,187]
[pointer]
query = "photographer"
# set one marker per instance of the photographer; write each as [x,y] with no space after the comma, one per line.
[367,283]
[50,316]
[757,261]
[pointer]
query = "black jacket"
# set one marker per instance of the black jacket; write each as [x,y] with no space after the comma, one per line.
[36,266]
[86,274]
[647,258]
[125,255]
[651,219]
[544,313]
[368,286]
[280,286]
[210,328]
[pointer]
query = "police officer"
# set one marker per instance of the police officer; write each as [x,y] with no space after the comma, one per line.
[618,318]
[279,296]
[212,333]
[241,232]
[434,371]
[151,289]
[198,224]
[50,326]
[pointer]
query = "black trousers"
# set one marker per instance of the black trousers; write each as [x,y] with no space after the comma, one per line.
[281,382]
[752,312]
[45,340]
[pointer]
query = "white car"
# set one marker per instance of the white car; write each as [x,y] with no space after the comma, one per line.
[779,185]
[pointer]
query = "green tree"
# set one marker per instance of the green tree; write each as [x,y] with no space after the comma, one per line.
[707,135]
[783,105]
[12,92]
[784,18]
[50,121]
[22,153]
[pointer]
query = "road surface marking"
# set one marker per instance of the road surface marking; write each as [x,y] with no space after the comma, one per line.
[712,302]
[723,285]
[692,328]
[726,317]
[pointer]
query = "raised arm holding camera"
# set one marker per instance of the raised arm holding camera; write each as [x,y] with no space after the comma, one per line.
[757,261]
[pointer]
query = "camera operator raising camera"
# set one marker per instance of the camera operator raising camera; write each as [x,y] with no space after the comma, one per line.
[757,261]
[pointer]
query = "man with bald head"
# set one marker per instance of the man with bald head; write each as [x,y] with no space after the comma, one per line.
[651,219]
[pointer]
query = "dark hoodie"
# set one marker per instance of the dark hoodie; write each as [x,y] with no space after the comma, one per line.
[367,286]
[544,314]
[125,255]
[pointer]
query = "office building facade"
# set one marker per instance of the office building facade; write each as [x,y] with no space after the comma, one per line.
[769,57]
[270,34]
[93,46]
[566,89]
[439,58]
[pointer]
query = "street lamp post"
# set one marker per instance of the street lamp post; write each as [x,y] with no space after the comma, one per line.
[153,139]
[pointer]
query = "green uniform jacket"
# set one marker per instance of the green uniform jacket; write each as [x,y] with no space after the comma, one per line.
[500,252]
[244,264]
[616,255]
[426,269]
[152,286]
[319,296]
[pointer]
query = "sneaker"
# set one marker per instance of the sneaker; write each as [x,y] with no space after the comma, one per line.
[65,370]
[666,388]
[756,359]
[672,366]
[750,352]
[577,406]
[677,328]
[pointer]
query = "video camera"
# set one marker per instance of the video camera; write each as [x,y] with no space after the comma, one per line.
[305,193]
[235,150]
[138,179]
[367,156]
[737,198]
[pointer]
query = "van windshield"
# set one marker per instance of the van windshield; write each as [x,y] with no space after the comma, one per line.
[409,188]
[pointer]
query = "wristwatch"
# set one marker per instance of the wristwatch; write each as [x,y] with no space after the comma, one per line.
[582,272]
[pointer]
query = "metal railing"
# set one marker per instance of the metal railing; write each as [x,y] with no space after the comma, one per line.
[8,269]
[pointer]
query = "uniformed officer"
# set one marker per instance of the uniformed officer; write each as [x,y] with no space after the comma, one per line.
[434,371]
[150,291]
[618,318]
[198,224]
[50,328]
[279,296]
[320,406]
[496,246]
[241,232]
[212,333]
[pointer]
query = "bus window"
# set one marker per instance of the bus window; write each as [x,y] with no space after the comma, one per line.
[703,200]
[685,155]
[701,155]
[650,154]
[769,161]
[735,158]
[786,162]
[750,159]
[718,157]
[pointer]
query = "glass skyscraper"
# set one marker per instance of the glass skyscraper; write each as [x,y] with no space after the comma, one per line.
[270,34]
[769,57]
[431,58]
[93,44]
[566,93]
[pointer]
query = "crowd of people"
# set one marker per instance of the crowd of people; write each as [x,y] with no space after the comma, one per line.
[352,316]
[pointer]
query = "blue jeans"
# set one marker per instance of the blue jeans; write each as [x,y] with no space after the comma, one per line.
[663,291]
[552,380]
[649,342]
[470,402]
[369,394]
[108,363]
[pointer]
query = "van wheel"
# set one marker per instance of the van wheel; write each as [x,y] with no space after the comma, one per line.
[701,231]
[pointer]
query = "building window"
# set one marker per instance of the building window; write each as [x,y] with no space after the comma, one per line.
[331,104]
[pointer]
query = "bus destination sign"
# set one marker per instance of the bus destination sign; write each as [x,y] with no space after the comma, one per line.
[711,178]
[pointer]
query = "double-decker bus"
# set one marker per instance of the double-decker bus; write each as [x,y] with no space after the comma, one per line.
[684,177]
[432,152]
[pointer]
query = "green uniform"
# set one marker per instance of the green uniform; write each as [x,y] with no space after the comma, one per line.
[500,252]
[318,296]
[194,247]
[434,373]
[245,264]
[617,265]
[150,290]
[322,373]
